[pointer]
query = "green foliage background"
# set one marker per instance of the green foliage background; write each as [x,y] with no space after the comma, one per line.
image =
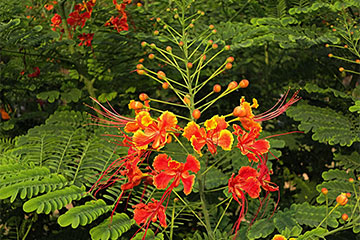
[50,155]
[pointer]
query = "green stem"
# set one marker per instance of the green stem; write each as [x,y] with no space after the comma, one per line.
[223,214]
[172,221]
[327,215]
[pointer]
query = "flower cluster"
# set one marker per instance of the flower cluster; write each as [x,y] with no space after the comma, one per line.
[119,23]
[147,136]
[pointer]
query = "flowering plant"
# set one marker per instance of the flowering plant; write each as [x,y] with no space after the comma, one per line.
[148,160]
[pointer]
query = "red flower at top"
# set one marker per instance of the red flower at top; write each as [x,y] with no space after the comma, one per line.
[246,181]
[169,169]
[151,211]
[86,39]
[81,14]
[248,144]
[55,22]
[214,135]
[157,132]
[120,22]
[36,73]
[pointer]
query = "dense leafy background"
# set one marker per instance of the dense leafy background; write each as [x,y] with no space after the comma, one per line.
[276,44]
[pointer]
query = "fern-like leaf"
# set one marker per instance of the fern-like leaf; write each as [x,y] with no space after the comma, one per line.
[33,188]
[327,125]
[261,229]
[54,200]
[112,228]
[84,214]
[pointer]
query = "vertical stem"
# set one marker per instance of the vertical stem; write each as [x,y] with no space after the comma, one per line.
[201,181]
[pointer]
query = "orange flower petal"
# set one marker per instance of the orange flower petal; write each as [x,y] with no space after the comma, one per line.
[161,162]
[188,183]
[131,127]
[225,140]
[191,129]
[167,120]
[162,180]
[192,164]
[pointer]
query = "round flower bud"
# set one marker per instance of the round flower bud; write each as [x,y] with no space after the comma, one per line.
[168,48]
[143,44]
[181,43]
[230,59]
[187,99]
[324,191]
[189,65]
[330,55]
[341,69]
[228,66]
[196,114]
[140,72]
[344,217]
[227,47]
[351,180]
[191,25]
[139,66]
[210,42]
[153,45]
[214,46]
[158,19]
[217,88]
[239,111]
[342,199]
[143,97]
[136,105]
[161,75]
[244,83]
[214,31]
[211,27]
[156,32]
[165,85]
[151,56]
[348,195]
[232,85]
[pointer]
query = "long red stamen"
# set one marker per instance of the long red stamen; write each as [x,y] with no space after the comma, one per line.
[280,106]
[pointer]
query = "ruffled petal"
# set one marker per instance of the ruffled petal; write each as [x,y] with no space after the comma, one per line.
[161,162]
[192,129]
[188,183]
[225,140]
[162,180]
[192,164]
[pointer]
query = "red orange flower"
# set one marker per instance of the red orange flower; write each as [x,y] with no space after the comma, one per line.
[86,39]
[157,132]
[143,213]
[81,14]
[246,181]
[48,7]
[214,135]
[36,73]
[55,22]
[169,169]
[248,144]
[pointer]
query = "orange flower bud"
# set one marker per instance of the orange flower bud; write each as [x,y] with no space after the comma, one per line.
[228,66]
[140,72]
[189,65]
[239,112]
[215,46]
[143,97]
[143,44]
[232,85]
[344,217]
[211,27]
[196,114]
[330,55]
[151,56]
[227,47]
[181,43]
[204,57]
[153,45]
[342,199]
[210,42]
[141,60]
[348,195]
[191,25]
[217,88]
[136,105]
[165,85]
[324,191]
[161,75]
[168,48]
[327,45]
[156,32]
[187,99]
[244,83]
[139,66]
[230,59]
[351,180]
[357,60]
[341,69]
[214,31]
